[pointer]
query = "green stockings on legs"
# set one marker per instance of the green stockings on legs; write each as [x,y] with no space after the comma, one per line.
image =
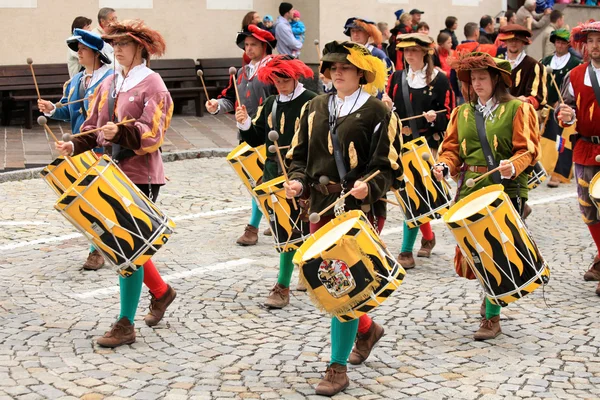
[409,237]
[131,289]
[343,335]
[491,310]
[256,214]
[286,268]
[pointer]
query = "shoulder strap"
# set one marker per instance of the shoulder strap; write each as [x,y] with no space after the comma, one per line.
[407,104]
[112,97]
[485,145]
[594,80]
[81,93]
[337,151]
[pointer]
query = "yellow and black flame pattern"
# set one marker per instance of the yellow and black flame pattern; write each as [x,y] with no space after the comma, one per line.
[61,173]
[248,163]
[537,176]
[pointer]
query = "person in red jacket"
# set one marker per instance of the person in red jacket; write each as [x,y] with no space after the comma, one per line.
[581,93]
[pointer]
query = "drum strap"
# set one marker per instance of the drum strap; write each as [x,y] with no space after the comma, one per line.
[485,146]
[81,93]
[408,105]
[117,154]
[275,122]
[337,151]
[594,80]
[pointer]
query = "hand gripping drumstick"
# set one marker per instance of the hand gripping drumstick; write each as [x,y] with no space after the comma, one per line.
[316,217]
[550,72]
[471,182]
[420,116]
[37,89]
[274,136]
[61,105]
[43,121]
[232,72]
[200,73]
[68,137]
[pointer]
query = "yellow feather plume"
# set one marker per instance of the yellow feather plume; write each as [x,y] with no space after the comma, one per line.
[369,64]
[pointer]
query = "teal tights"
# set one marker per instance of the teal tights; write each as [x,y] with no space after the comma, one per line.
[256,214]
[131,289]
[491,310]
[409,238]
[286,268]
[342,339]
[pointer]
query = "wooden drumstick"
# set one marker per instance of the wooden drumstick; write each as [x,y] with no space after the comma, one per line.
[37,89]
[61,105]
[232,72]
[200,73]
[274,136]
[471,182]
[420,116]
[550,72]
[389,201]
[43,121]
[318,49]
[67,136]
[316,217]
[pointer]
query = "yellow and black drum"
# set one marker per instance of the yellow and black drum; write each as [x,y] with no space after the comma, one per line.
[421,196]
[497,245]
[248,162]
[536,176]
[347,268]
[594,191]
[290,227]
[61,173]
[115,216]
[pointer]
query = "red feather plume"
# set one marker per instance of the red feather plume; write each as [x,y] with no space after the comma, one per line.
[284,66]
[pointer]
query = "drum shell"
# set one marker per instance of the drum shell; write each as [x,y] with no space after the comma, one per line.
[497,246]
[593,184]
[115,216]
[374,271]
[61,173]
[248,163]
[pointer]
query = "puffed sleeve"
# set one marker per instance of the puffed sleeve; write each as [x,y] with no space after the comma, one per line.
[526,137]
[298,152]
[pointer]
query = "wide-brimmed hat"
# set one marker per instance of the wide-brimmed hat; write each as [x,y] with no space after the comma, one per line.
[136,29]
[88,39]
[467,62]
[259,34]
[366,25]
[562,34]
[358,55]
[515,31]
[580,32]
[283,66]
[415,40]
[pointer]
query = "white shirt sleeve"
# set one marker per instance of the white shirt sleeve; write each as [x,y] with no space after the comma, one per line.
[245,125]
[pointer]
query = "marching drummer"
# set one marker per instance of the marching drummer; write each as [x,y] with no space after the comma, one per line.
[342,138]
[419,90]
[134,91]
[492,125]
[280,113]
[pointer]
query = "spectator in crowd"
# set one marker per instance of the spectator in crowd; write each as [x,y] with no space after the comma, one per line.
[402,27]
[365,32]
[557,21]
[487,31]
[526,16]
[511,17]
[286,42]
[106,15]
[423,27]
[72,57]
[251,18]
[451,26]
[268,24]
[471,44]
[443,53]
[415,18]
[385,35]
[298,27]
[543,5]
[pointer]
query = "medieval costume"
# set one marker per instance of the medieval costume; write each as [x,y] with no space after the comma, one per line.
[375,35]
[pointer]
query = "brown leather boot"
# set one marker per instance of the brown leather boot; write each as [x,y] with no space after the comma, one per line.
[94,261]
[335,380]
[426,247]
[482,309]
[553,182]
[489,329]
[593,274]
[300,287]
[250,236]
[598,289]
[279,297]
[406,259]
[526,211]
[159,306]
[268,232]
[122,332]
[365,343]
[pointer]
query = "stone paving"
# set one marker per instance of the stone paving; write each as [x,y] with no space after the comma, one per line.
[218,342]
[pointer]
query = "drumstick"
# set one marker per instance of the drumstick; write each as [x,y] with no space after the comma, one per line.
[318,49]
[389,201]
[43,121]
[550,72]
[68,137]
[420,116]
[316,217]
[61,105]
[37,89]
[232,72]
[200,73]
[471,182]
[274,136]
[290,237]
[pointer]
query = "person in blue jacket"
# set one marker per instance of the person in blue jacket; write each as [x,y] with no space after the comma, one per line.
[298,28]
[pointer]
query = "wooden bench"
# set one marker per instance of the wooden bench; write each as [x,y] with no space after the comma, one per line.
[17,88]
[216,73]
[180,77]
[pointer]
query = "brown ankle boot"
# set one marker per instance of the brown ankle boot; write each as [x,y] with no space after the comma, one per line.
[598,289]
[94,261]
[593,274]
[159,306]
[122,332]
[279,297]
[406,259]
[482,309]
[335,380]
[426,247]
[553,182]
[268,232]
[489,329]
[250,236]
[365,343]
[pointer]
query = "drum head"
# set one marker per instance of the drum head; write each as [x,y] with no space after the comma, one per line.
[473,203]
[330,237]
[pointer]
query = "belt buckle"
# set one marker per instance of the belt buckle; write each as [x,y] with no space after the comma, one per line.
[596,139]
[322,188]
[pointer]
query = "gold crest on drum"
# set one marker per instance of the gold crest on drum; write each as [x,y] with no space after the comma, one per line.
[497,246]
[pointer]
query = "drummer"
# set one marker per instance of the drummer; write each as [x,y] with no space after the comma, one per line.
[428,91]
[366,134]
[89,48]
[511,128]
[284,72]
[135,91]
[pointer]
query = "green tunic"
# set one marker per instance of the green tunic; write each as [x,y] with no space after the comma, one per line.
[559,76]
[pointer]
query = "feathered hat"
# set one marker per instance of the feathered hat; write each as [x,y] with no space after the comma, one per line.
[365,25]
[283,66]
[579,35]
[358,55]
[515,31]
[257,33]
[467,62]
[415,40]
[136,29]
[562,34]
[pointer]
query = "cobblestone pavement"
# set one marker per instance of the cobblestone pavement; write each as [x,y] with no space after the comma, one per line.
[216,340]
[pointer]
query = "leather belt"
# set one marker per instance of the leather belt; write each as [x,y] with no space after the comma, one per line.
[480,169]
[592,139]
[327,189]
